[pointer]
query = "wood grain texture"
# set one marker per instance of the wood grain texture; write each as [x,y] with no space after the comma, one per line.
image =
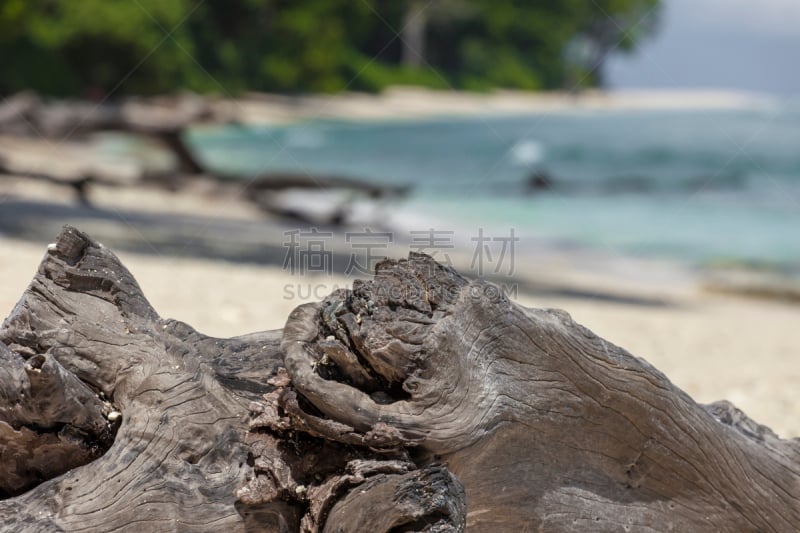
[179,450]
[545,424]
[83,343]
[417,401]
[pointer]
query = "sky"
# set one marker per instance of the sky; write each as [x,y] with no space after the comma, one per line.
[719,44]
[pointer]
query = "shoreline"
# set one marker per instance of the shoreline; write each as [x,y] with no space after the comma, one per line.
[415,103]
[200,224]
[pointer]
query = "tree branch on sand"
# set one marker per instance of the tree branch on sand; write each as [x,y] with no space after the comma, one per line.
[417,401]
[45,141]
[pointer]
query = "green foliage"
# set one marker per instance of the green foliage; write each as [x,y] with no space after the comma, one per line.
[103,47]
[368,74]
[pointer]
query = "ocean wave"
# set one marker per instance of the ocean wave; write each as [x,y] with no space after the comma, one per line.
[527,152]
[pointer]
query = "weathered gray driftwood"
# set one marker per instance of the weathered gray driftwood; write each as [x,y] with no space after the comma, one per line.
[418,401]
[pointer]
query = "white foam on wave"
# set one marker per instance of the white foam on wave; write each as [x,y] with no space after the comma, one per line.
[527,152]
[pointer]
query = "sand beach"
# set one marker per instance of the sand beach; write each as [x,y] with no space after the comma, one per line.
[226,277]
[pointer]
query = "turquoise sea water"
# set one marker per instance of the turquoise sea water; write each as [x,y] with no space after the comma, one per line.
[708,187]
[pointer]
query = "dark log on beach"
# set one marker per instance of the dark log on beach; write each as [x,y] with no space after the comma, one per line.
[418,401]
[70,164]
[316,199]
[62,163]
[163,118]
[39,141]
[276,181]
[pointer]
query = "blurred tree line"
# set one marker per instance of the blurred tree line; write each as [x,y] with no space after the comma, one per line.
[97,47]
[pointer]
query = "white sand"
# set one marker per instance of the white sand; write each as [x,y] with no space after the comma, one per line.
[713,347]
[402,103]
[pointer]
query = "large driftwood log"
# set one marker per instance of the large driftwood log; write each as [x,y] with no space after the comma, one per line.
[418,401]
